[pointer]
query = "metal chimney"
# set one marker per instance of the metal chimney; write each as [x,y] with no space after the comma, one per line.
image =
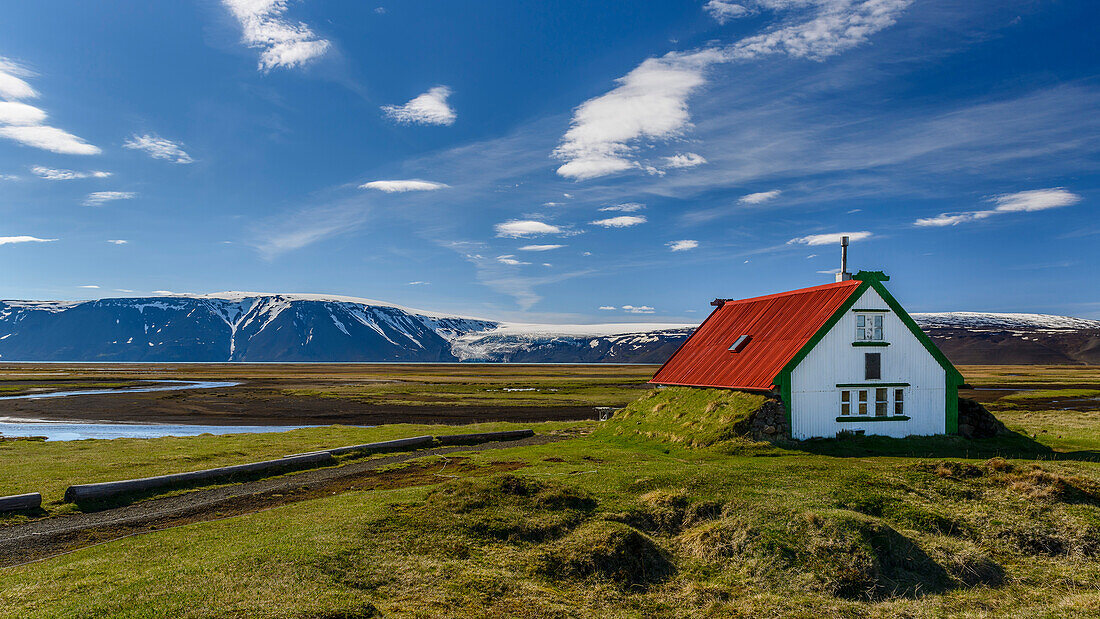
[843,275]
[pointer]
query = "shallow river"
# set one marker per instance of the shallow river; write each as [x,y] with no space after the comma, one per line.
[73,431]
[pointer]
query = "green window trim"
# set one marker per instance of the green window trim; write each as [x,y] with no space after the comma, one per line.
[870,343]
[885,311]
[856,418]
[870,385]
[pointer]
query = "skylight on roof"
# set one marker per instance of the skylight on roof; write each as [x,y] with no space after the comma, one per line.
[739,344]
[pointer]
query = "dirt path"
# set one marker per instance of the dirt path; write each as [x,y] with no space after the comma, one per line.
[50,537]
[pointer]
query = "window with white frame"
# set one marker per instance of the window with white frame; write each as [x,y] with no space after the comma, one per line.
[872,402]
[869,328]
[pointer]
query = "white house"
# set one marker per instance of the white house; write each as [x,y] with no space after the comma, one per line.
[842,356]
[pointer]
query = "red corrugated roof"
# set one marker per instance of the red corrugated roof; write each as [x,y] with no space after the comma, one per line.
[779,325]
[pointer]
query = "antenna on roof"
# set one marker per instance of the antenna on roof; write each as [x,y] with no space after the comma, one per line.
[843,275]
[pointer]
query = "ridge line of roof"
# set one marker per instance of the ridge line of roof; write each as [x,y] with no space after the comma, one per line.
[848,283]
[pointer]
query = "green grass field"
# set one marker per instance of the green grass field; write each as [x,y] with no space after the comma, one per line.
[662,511]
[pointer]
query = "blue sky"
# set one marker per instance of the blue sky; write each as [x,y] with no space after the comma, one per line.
[552,161]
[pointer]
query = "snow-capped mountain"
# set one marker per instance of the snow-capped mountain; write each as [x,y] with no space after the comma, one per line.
[241,326]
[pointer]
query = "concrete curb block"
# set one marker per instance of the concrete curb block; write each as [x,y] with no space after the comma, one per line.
[385,446]
[110,489]
[20,502]
[484,437]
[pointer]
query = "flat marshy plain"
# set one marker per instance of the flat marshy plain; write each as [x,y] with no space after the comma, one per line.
[322,394]
[661,511]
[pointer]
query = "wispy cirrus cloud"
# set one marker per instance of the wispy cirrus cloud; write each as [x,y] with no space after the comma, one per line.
[622,221]
[722,11]
[650,104]
[158,148]
[10,240]
[430,108]
[283,43]
[540,247]
[760,197]
[403,186]
[831,238]
[1021,201]
[511,260]
[54,174]
[626,207]
[24,123]
[99,198]
[682,245]
[684,160]
[524,228]
[117,241]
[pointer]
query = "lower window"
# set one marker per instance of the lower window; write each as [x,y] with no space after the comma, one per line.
[883,401]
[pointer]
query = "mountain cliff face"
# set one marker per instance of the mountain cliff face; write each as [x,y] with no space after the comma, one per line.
[288,328]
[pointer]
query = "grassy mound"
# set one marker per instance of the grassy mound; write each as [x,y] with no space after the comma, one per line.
[687,417]
[610,550]
[511,508]
[839,552]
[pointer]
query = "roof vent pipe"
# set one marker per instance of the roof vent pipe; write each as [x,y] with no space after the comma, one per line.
[843,275]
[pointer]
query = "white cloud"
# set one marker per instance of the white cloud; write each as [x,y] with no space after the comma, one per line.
[626,207]
[8,240]
[158,147]
[123,290]
[418,283]
[540,247]
[430,108]
[1021,201]
[608,308]
[829,239]
[8,177]
[49,138]
[12,86]
[98,198]
[23,123]
[510,260]
[683,245]
[381,10]
[1034,200]
[723,11]
[684,160]
[524,228]
[623,221]
[15,113]
[53,174]
[638,309]
[117,241]
[649,104]
[403,186]
[283,43]
[760,197]
[88,286]
[950,219]
[553,203]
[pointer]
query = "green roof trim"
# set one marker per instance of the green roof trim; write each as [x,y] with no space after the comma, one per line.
[868,343]
[871,276]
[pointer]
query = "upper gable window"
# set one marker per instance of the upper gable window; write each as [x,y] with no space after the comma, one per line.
[739,344]
[869,327]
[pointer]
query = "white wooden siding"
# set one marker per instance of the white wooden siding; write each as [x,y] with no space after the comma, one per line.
[815,398]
